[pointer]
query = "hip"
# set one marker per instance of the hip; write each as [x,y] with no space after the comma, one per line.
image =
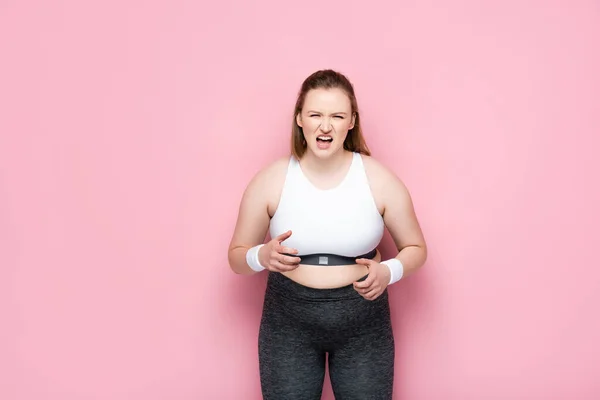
[290,304]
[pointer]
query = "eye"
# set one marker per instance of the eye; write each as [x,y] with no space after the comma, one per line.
[338,117]
[313,115]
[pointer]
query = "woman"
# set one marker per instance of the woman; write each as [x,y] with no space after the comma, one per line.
[325,208]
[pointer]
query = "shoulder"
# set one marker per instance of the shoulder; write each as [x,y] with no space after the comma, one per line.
[270,177]
[275,170]
[385,183]
[380,174]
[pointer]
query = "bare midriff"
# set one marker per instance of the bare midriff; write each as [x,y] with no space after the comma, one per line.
[331,276]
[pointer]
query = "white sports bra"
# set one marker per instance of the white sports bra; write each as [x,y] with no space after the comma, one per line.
[343,220]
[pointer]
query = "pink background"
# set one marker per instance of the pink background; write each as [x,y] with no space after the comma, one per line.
[116,119]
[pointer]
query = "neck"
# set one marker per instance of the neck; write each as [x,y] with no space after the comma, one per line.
[327,165]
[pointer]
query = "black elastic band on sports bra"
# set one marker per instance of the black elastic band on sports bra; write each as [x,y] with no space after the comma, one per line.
[332,259]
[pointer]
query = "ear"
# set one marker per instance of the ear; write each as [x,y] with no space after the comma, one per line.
[353,121]
[299,120]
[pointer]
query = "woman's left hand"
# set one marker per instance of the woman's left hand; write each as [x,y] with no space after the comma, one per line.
[376,282]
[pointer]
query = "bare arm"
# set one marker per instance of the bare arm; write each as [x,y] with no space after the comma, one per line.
[396,206]
[394,202]
[253,220]
[400,219]
[251,225]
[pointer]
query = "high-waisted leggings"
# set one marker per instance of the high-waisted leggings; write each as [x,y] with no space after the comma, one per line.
[300,325]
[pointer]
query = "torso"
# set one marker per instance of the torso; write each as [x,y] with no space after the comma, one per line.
[345,219]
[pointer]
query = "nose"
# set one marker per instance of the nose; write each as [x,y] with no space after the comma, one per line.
[325,125]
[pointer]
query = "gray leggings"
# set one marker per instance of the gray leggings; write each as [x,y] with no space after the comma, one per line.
[300,325]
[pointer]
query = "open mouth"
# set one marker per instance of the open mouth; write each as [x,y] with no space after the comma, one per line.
[324,142]
[324,139]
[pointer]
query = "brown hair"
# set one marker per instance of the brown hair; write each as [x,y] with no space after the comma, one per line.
[328,79]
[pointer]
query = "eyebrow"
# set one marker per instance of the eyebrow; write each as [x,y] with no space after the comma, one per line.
[335,113]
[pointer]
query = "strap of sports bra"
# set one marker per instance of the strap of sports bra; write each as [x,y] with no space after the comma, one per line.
[333,259]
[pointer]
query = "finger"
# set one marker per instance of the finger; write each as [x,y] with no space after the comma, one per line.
[371,295]
[283,236]
[285,250]
[283,258]
[288,259]
[288,250]
[365,294]
[279,267]
[364,261]
[366,291]
[367,282]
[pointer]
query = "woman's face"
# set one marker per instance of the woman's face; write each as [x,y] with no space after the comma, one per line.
[325,120]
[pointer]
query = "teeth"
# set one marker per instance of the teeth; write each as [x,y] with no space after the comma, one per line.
[325,138]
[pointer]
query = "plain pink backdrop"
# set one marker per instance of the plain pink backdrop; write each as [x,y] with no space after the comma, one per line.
[129,129]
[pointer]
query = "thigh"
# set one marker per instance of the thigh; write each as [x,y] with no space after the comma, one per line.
[362,367]
[291,366]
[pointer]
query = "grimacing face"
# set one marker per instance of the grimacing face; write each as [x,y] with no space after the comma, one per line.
[325,119]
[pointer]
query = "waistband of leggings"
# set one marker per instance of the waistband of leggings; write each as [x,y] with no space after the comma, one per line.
[286,287]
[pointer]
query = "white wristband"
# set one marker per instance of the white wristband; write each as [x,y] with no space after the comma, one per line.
[252,258]
[396,269]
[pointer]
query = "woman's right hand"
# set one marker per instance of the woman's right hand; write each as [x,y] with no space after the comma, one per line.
[273,256]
